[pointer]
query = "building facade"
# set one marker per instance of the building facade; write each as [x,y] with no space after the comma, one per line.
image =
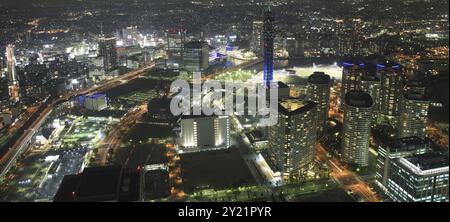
[319,85]
[108,52]
[390,149]
[414,115]
[96,102]
[352,75]
[196,56]
[357,109]
[371,85]
[292,141]
[391,93]
[200,133]
[419,178]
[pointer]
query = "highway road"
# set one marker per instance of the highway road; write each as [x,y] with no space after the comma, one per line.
[113,139]
[346,178]
[22,143]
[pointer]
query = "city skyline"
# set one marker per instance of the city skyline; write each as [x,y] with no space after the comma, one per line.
[89,94]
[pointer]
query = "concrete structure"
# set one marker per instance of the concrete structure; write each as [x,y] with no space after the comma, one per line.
[175,40]
[389,149]
[391,92]
[352,75]
[319,92]
[108,52]
[196,56]
[96,102]
[292,141]
[371,85]
[357,109]
[414,115]
[419,178]
[200,133]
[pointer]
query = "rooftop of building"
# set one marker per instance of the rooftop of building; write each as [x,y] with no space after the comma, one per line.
[293,106]
[282,85]
[404,144]
[319,78]
[358,99]
[428,161]
[111,183]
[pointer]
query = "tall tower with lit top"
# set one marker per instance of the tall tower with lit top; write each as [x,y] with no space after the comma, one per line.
[268,35]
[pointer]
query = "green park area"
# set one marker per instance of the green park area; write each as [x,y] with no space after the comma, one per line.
[242,75]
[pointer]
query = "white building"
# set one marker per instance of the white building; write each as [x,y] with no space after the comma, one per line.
[199,133]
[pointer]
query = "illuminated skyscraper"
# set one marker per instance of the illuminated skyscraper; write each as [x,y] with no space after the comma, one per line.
[175,40]
[292,141]
[13,81]
[108,52]
[196,56]
[319,92]
[371,85]
[352,75]
[356,130]
[256,43]
[269,36]
[414,115]
[391,91]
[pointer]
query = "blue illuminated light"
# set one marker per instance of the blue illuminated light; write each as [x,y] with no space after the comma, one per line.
[347,64]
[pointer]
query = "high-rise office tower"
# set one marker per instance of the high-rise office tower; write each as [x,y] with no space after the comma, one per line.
[390,149]
[419,178]
[196,56]
[292,141]
[371,85]
[199,133]
[352,75]
[13,81]
[256,43]
[414,115]
[391,91]
[175,40]
[269,36]
[319,92]
[357,109]
[107,50]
